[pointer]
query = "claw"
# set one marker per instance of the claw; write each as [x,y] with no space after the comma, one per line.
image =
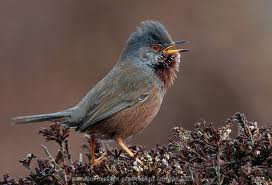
[99,160]
[139,161]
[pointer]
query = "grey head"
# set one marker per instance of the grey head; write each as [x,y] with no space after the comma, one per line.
[152,48]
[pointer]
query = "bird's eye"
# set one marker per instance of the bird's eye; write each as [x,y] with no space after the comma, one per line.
[156,47]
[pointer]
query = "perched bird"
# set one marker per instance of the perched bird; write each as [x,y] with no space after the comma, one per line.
[127,99]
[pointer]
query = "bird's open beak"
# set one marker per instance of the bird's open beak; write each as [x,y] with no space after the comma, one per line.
[169,50]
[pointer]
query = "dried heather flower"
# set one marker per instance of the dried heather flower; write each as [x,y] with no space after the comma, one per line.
[204,155]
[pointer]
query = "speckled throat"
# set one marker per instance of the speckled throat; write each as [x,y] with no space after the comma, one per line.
[167,67]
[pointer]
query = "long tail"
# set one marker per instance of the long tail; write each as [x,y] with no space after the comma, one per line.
[55,117]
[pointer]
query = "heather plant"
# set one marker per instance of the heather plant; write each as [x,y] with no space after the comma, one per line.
[202,156]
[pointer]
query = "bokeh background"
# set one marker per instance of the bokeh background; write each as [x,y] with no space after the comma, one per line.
[53,52]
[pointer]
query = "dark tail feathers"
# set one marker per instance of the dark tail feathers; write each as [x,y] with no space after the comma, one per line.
[55,117]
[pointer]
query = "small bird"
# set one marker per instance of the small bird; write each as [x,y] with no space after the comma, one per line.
[127,99]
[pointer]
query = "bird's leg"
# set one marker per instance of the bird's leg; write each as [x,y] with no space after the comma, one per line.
[99,160]
[121,143]
[92,149]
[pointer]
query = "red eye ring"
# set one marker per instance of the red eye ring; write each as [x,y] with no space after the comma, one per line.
[156,47]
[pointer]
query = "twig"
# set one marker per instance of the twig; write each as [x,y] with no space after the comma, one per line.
[59,170]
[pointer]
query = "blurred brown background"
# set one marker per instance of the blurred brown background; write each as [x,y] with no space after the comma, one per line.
[53,52]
